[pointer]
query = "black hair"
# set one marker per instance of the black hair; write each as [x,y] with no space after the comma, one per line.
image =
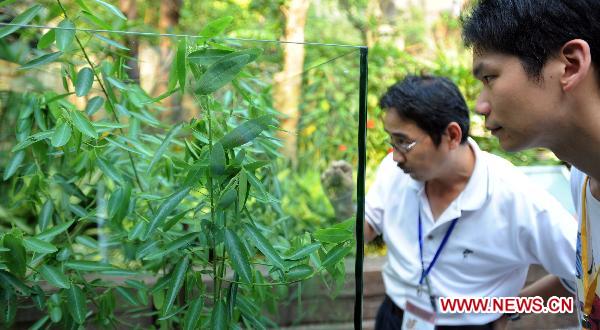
[533,30]
[431,102]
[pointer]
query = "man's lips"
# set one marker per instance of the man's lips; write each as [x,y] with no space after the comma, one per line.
[494,129]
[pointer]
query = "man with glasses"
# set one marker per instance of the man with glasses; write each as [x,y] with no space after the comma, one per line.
[457,221]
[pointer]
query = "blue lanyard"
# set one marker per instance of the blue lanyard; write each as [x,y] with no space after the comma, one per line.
[424,272]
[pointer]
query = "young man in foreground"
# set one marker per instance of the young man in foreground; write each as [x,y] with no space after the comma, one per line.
[539,64]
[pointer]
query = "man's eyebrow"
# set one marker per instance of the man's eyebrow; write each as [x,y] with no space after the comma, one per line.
[477,70]
[400,135]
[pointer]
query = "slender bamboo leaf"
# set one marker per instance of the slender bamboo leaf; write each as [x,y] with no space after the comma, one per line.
[127,295]
[15,259]
[54,276]
[93,105]
[44,59]
[37,245]
[13,164]
[112,9]
[299,272]
[89,266]
[45,216]
[7,277]
[216,27]
[85,78]
[8,306]
[83,124]
[218,319]
[47,39]
[177,279]
[111,42]
[217,159]
[49,234]
[109,170]
[220,73]
[242,190]
[65,35]
[239,258]
[264,246]
[227,198]
[207,56]
[76,304]
[163,146]
[336,254]
[21,19]
[62,133]
[192,315]
[333,235]
[175,245]
[166,208]
[32,139]
[181,63]
[245,132]
[303,252]
[137,231]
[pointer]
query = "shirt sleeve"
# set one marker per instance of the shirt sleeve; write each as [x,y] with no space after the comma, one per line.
[378,192]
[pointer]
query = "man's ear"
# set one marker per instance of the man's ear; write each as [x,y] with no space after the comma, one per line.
[454,135]
[577,60]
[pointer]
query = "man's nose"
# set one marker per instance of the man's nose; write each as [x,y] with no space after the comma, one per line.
[482,106]
[398,157]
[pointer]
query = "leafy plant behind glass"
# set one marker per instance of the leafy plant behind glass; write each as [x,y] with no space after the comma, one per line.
[104,201]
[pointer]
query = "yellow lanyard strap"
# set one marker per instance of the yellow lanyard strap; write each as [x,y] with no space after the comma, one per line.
[589,289]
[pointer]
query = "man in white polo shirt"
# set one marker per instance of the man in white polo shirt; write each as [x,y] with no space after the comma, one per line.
[457,221]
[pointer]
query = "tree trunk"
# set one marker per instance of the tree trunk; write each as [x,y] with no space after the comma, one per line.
[169,18]
[288,82]
[129,7]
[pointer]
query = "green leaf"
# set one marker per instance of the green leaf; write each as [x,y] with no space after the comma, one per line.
[227,198]
[62,133]
[87,242]
[242,189]
[177,279]
[218,319]
[207,56]
[15,282]
[246,132]
[47,39]
[217,159]
[8,307]
[333,235]
[117,83]
[94,19]
[93,105]
[89,266]
[303,251]
[54,276]
[192,315]
[44,59]
[109,170]
[37,245]
[119,203]
[22,19]
[264,246]
[85,78]
[127,295]
[220,73]
[181,64]
[175,245]
[238,255]
[299,272]
[216,27]
[13,164]
[76,304]
[45,216]
[65,35]
[137,231]
[163,146]
[40,323]
[166,208]
[49,234]
[16,258]
[32,139]
[111,42]
[83,124]
[112,9]
[336,254]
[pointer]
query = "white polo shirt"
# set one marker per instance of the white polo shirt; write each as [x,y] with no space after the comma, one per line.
[505,224]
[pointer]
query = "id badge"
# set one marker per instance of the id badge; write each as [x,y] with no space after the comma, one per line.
[416,318]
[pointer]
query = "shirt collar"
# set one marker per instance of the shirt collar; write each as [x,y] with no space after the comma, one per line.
[477,189]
